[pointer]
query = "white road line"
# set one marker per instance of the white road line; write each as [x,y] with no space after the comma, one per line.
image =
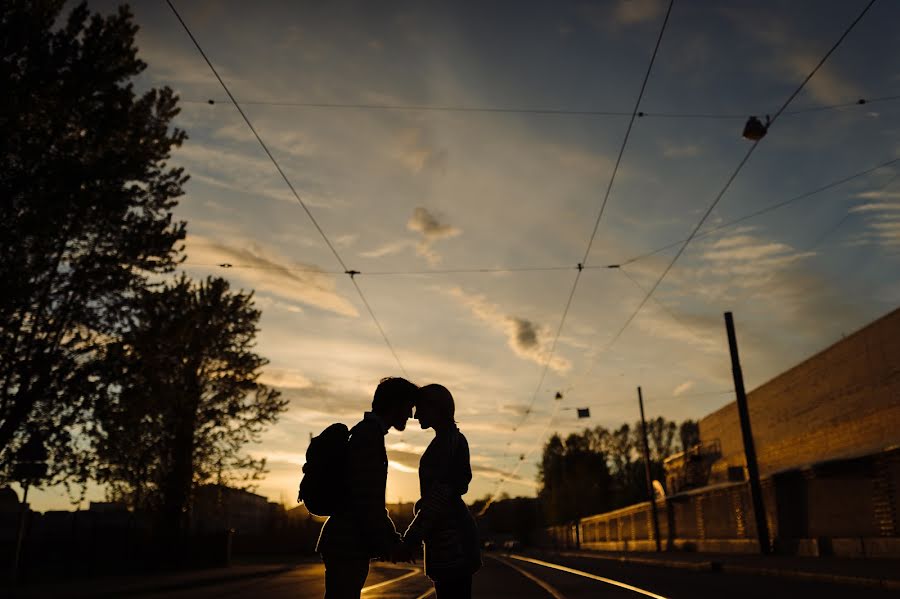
[373,587]
[587,575]
[553,592]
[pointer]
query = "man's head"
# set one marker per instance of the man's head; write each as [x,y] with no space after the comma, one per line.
[394,400]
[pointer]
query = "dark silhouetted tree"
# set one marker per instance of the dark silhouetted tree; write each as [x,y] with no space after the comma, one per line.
[183,398]
[86,201]
[660,438]
[575,479]
[689,434]
[598,470]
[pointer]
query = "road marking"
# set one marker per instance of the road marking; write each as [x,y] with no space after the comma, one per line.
[427,593]
[373,587]
[553,592]
[587,575]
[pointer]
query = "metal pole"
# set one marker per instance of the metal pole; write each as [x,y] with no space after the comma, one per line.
[650,493]
[20,533]
[759,511]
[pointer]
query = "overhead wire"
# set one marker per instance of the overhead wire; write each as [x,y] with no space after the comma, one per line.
[583,265]
[761,211]
[735,173]
[552,351]
[600,213]
[636,258]
[724,189]
[539,110]
[290,185]
[808,249]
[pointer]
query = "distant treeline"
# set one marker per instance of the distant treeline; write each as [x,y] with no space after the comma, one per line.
[599,470]
[590,472]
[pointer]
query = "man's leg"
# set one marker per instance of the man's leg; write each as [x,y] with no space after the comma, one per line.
[453,588]
[344,577]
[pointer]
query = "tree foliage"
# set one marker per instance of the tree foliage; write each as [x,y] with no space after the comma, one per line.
[183,397]
[600,469]
[86,200]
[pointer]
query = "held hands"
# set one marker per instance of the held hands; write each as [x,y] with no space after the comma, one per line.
[402,552]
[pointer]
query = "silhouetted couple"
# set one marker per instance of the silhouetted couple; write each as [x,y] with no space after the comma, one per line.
[362,529]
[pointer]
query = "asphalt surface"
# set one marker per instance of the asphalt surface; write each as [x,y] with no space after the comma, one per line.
[524,577]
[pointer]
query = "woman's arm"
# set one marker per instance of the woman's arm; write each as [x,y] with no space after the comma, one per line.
[437,498]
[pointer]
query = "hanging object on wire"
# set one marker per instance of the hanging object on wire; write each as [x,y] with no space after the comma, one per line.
[754,130]
[584,413]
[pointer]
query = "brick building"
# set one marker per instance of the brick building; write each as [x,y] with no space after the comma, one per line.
[827,436]
[842,403]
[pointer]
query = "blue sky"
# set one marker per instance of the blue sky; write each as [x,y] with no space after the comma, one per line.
[414,190]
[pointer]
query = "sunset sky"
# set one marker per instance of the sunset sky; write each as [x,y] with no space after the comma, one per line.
[414,190]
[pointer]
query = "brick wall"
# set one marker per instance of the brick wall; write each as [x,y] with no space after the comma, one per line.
[842,402]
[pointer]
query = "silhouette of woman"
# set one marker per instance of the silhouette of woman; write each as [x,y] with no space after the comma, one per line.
[442,519]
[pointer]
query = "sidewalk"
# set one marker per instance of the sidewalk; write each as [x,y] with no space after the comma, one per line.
[138,584]
[877,573]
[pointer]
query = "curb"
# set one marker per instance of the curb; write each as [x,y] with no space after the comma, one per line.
[726,568]
[878,583]
[137,589]
[201,582]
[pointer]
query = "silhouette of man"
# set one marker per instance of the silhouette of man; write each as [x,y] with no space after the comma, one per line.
[362,529]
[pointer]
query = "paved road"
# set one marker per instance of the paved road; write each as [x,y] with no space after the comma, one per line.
[516,577]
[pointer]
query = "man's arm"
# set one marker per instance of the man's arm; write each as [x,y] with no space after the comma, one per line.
[366,484]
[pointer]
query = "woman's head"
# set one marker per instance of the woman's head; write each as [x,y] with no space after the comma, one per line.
[435,407]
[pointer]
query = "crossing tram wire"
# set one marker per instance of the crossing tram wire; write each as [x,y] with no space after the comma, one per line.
[734,174]
[612,178]
[581,265]
[525,269]
[729,181]
[351,273]
[765,210]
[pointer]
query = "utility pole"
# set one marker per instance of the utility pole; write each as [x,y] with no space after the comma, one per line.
[759,511]
[650,492]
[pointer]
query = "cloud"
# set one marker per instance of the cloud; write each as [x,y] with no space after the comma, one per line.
[881,211]
[793,56]
[527,339]
[609,16]
[283,378]
[767,282]
[414,149]
[424,222]
[685,386]
[636,12]
[407,460]
[432,230]
[879,195]
[391,247]
[267,272]
[876,207]
[673,150]
[242,172]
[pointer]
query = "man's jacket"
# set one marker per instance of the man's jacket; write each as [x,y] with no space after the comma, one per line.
[363,527]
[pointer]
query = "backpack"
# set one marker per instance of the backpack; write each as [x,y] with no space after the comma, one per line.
[323,488]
